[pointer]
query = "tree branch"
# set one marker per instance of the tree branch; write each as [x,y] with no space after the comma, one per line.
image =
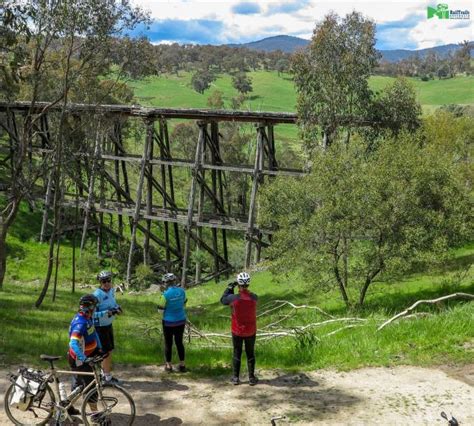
[432,301]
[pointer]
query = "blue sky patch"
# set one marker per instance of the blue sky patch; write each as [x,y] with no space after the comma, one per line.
[286,7]
[246,8]
[198,31]
[394,34]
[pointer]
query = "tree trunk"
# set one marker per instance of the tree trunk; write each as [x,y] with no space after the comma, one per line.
[58,195]
[49,272]
[368,281]
[339,279]
[3,257]
[342,289]
[5,223]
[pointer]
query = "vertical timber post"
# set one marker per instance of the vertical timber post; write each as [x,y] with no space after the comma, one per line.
[136,215]
[100,229]
[221,198]
[200,207]
[170,178]
[192,196]
[253,195]
[258,236]
[215,245]
[149,201]
[163,186]
[116,138]
[90,194]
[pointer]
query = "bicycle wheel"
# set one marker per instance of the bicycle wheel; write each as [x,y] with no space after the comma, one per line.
[39,412]
[116,407]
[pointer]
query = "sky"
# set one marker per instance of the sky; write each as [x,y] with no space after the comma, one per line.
[400,24]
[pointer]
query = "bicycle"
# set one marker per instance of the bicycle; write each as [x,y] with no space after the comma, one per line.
[103,404]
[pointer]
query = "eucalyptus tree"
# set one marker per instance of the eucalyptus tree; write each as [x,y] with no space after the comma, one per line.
[48,48]
[361,217]
[331,76]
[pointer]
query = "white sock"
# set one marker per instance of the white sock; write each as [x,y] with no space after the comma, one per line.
[108,376]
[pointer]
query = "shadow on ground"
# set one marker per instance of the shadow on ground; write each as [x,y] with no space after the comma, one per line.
[151,419]
[163,385]
[305,399]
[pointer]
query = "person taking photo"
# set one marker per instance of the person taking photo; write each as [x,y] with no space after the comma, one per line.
[244,325]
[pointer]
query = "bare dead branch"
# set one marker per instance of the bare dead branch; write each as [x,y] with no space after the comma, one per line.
[282,303]
[432,301]
[342,328]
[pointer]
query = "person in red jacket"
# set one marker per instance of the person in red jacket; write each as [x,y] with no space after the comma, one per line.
[244,325]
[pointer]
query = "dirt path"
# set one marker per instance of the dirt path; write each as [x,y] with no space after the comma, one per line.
[388,396]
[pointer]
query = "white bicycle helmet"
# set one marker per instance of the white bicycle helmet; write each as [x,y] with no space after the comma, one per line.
[104,276]
[243,279]
[169,277]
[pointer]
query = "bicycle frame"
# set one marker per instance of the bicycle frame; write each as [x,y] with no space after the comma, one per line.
[53,374]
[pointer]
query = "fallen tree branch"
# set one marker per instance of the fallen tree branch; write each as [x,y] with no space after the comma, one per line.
[282,303]
[432,301]
[265,334]
[342,328]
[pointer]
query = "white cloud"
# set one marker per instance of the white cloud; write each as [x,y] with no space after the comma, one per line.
[431,33]
[301,21]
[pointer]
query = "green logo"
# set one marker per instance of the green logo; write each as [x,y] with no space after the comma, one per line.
[441,11]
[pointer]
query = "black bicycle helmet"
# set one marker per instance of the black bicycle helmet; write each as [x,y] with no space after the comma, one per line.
[88,301]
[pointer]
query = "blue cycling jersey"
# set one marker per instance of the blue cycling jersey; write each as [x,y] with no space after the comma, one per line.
[83,339]
[174,301]
[106,303]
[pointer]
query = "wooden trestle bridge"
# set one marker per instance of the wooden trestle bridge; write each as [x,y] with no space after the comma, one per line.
[97,179]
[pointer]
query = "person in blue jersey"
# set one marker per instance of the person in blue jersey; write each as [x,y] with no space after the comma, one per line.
[172,302]
[104,315]
[83,342]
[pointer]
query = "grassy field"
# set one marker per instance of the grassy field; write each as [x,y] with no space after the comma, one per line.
[446,336]
[276,93]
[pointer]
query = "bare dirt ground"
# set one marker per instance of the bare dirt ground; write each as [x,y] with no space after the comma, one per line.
[378,396]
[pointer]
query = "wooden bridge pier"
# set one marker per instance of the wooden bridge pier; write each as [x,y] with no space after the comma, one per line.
[98,175]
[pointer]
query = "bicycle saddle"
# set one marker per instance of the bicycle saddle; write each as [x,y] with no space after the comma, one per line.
[49,357]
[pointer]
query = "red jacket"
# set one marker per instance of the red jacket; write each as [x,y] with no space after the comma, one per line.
[244,311]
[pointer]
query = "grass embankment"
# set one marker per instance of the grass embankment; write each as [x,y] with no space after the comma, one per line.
[447,336]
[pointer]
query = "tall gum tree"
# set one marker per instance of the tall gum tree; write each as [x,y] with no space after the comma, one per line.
[331,76]
[50,45]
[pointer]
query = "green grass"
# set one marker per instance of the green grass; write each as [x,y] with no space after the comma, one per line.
[276,93]
[435,93]
[27,332]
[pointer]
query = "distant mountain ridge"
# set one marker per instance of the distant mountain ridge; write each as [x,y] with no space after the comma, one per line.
[290,44]
[285,43]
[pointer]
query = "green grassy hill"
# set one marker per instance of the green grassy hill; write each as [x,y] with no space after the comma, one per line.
[276,93]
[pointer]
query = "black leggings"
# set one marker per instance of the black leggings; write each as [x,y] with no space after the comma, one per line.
[238,341]
[177,332]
